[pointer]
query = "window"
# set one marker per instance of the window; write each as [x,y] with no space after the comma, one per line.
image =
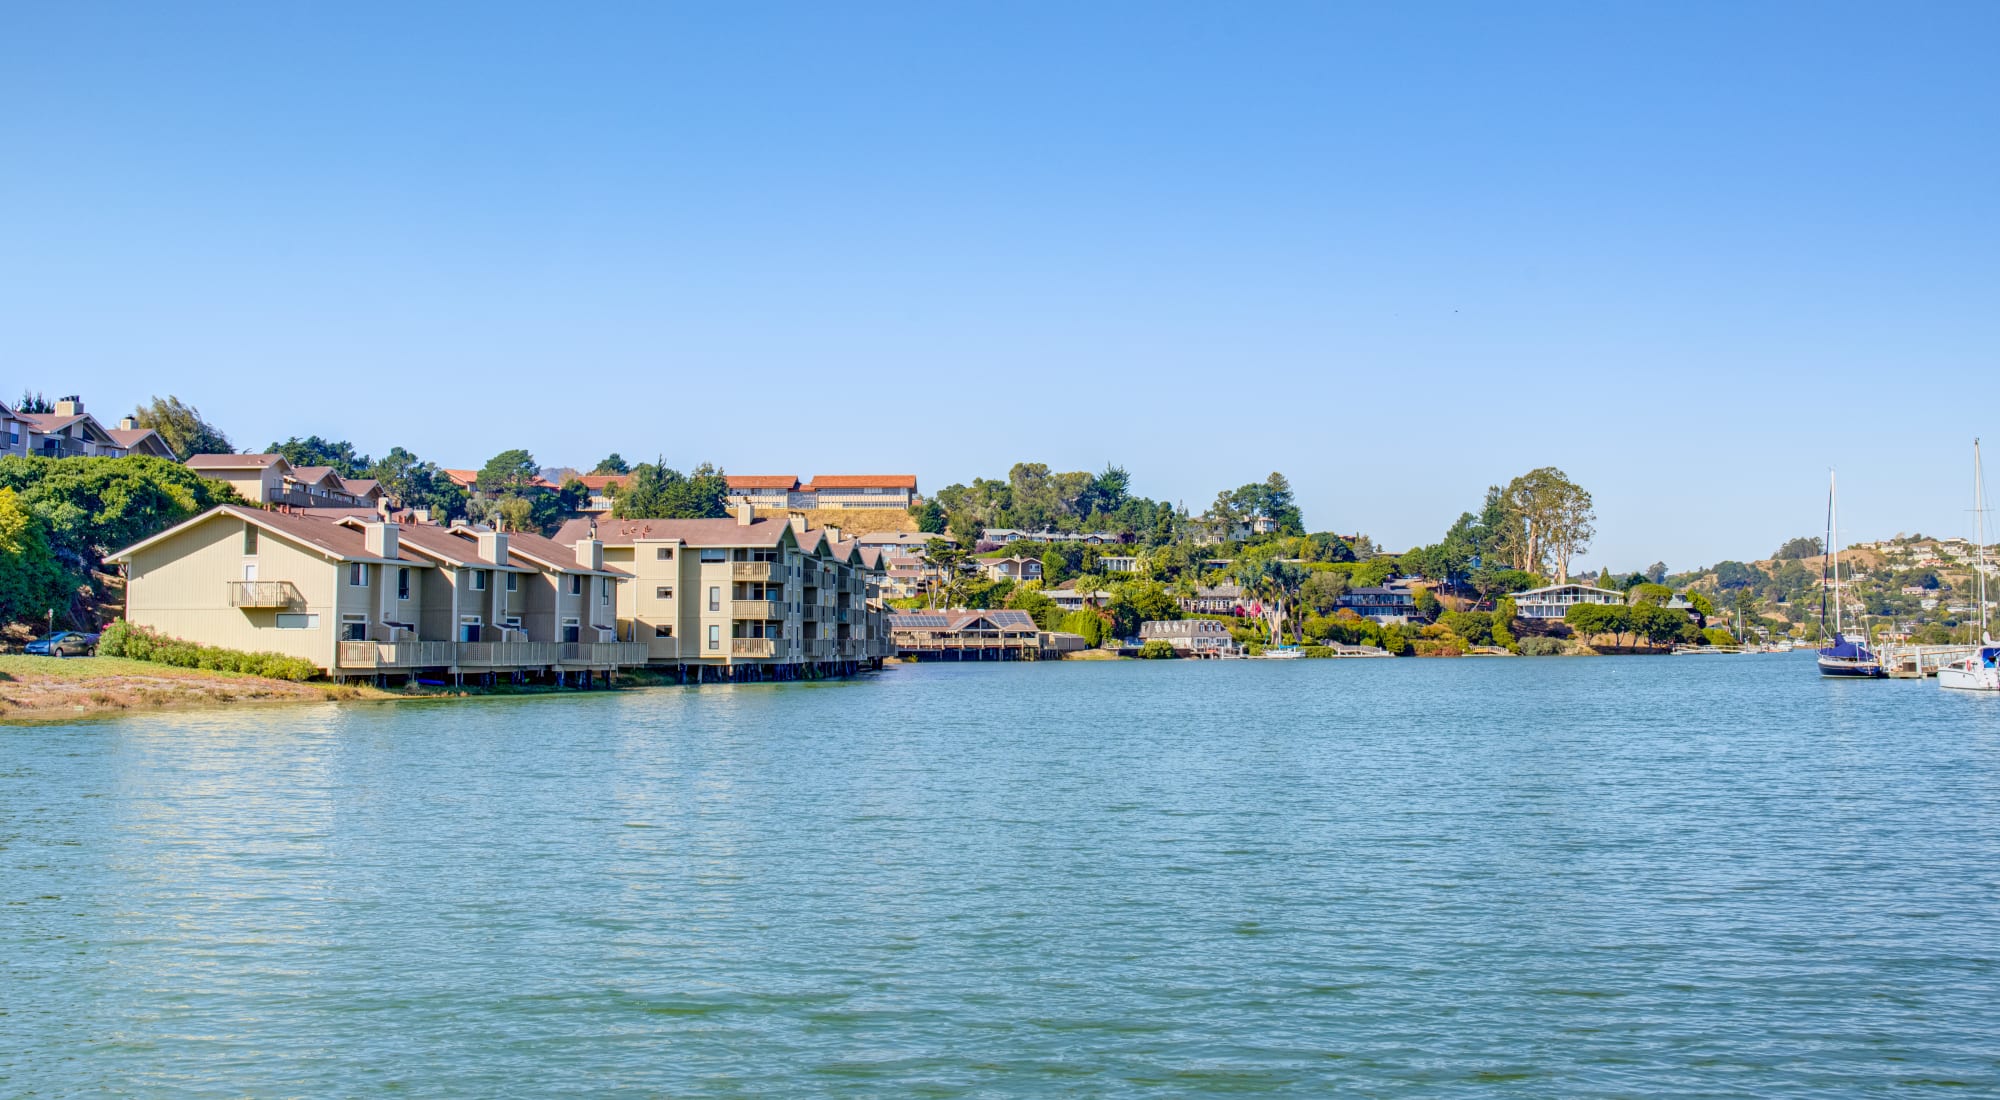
[715,637]
[570,630]
[298,622]
[249,539]
[402,582]
[354,628]
[479,580]
[468,628]
[604,591]
[575,584]
[715,555]
[663,632]
[663,553]
[664,592]
[357,574]
[513,582]
[714,597]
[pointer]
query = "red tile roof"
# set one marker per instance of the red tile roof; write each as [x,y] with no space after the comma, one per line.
[597,483]
[762,481]
[862,481]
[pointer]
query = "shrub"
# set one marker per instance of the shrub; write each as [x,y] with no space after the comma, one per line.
[1157,649]
[122,639]
[1543,647]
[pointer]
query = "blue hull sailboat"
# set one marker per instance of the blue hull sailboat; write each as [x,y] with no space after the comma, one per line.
[1844,658]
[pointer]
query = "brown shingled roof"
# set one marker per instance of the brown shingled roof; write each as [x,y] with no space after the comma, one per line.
[232,462]
[693,532]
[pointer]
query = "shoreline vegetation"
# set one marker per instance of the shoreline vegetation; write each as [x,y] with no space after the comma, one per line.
[41,689]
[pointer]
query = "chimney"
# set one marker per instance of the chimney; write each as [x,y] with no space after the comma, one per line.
[746,514]
[380,538]
[798,521]
[590,553]
[129,424]
[492,546]
[69,406]
[420,515]
[833,532]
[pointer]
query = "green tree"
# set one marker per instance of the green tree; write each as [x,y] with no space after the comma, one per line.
[31,582]
[1157,649]
[509,471]
[1805,546]
[513,513]
[1504,613]
[1553,520]
[654,491]
[314,451]
[929,516]
[32,401]
[1323,589]
[182,427]
[414,483]
[88,507]
[1055,569]
[610,465]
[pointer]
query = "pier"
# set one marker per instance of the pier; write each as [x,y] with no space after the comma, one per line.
[1914,662]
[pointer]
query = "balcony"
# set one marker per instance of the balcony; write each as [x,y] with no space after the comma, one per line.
[757,609]
[264,594]
[753,647]
[757,570]
[816,649]
[397,654]
[506,654]
[601,654]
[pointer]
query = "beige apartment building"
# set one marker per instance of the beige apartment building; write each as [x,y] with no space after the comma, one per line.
[269,480]
[374,598]
[746,597]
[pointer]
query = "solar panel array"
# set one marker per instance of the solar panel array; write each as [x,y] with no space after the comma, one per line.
[919,622]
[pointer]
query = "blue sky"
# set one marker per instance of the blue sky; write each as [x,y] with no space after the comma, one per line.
[1691,254]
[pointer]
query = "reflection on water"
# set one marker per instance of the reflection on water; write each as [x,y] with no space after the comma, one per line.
[1578,877]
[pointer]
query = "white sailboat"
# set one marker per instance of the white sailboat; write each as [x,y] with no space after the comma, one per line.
[1977,672]
[1843,658]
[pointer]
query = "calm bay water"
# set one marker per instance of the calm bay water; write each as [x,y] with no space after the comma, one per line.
[1612,877]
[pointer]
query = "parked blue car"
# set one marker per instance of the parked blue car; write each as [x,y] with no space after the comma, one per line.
[64,643]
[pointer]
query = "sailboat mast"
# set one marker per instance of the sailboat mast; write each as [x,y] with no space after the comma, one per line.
[1833,541]
[1979,510]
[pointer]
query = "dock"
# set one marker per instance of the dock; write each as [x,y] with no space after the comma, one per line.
[1914,662]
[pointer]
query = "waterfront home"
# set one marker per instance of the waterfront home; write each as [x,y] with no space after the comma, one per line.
[68,432]
[359,597]
[1066,597]
[778,493]
[1019,568]
[1190,637]
[967,635]
[1118,563]
[1382,604]
[497,586]
[1554,601]
[743,597]
[1221,599]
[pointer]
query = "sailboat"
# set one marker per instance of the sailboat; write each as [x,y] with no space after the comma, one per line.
[1843,658]
[1977,672]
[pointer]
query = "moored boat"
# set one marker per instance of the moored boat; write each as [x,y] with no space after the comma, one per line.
[1976,672]
[1843,659]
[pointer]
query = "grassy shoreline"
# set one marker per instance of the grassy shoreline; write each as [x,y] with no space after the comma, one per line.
[43,689]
